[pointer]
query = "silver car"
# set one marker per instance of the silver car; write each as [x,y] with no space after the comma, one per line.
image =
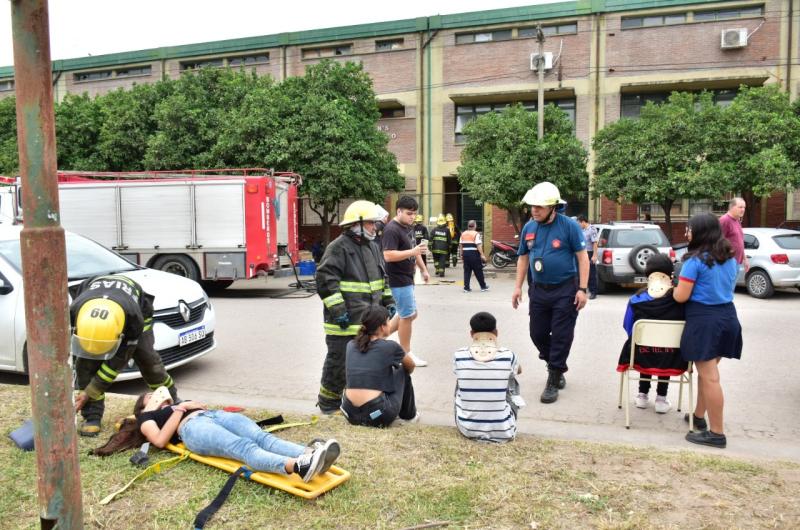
[774,255]
[623,250]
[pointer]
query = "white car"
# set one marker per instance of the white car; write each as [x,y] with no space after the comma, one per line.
[183,320]
[623,249]
[774,256]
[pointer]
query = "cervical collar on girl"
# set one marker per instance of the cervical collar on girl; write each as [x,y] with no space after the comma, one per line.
[658,284]
[159,396]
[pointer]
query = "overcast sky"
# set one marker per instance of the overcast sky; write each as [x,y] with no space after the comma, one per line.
[93,27]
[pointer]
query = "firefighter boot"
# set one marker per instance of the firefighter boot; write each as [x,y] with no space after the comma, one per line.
[550,393]
[92,413]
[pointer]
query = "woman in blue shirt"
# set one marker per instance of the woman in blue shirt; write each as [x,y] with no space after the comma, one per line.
[706,283]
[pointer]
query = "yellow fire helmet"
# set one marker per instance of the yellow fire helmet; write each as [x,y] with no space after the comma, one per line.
[360,211]
[440,220]
[449,217]
[98,329]
[418,218]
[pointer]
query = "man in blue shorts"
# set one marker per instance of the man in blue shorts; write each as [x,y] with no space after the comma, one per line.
[552,246]
[402,255]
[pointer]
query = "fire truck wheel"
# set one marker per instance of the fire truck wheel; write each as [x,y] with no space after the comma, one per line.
[178,264]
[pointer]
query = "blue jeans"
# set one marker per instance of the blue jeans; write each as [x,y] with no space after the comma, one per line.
[231,435]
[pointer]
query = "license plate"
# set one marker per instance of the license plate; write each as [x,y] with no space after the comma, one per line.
[639,279]
[188,337]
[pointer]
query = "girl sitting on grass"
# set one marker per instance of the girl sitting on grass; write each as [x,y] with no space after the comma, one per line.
[378,373]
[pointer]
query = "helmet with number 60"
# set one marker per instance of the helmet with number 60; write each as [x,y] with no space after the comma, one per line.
[98,329]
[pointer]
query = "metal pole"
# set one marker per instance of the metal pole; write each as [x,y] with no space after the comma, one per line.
[45,273]
[540,67]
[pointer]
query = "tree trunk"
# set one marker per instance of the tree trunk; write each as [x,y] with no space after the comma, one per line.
[326,226]
[750,202]
[667,206]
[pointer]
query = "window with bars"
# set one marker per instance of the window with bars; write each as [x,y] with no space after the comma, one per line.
[328,51]
[138,70]
[654,20]
[467,113]
[559,29]
[247,60]
[728,14]
[388,45]
[484,36]
[205,63]
[93,76]
[631,104]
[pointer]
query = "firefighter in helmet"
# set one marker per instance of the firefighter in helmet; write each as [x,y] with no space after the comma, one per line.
[420,233]
[441,245]
[455,236]
[112,321]
[351,278]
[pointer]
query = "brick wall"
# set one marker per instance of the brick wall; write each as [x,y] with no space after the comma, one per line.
[102,86]
[502,229]
[402,136]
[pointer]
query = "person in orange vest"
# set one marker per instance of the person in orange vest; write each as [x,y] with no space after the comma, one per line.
[455,235]
[469,248]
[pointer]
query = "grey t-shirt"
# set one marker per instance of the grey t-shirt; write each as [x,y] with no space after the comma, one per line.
[373,369]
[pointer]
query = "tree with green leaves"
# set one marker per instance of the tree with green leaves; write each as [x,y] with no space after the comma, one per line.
[503,158]
[9,154]
[190,118]
[78,122]
[754,146]
[323,126]
[657,158]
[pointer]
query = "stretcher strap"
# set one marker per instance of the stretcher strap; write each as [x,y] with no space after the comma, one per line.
[273,428]
[158,467]
[209,511]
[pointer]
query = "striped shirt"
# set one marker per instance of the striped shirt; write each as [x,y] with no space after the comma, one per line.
[482,409]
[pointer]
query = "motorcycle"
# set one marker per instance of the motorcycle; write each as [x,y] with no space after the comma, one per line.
[503,254]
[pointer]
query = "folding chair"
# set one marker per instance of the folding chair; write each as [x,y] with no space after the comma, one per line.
[655,334]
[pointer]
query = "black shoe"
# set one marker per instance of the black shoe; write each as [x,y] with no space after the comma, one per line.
[562,382]
[550,393]
[308,465]
[592,296]
[708,438]
[699,423]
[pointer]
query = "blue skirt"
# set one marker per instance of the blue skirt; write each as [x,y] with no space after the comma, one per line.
[711,331]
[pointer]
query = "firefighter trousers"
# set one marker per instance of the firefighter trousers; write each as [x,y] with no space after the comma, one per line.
[440,261]
[101,374]
[552,321]
[333,379]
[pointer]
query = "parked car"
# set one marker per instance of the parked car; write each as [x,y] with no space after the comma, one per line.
[774,255]
[183,321]
[623,250]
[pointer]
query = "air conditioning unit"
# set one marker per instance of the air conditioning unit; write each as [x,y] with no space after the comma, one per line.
[733,38]
[548,61]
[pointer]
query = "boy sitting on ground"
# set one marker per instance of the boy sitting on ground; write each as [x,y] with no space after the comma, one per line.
[653,302]
[487,392]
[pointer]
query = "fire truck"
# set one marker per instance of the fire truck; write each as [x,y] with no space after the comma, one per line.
[214,226]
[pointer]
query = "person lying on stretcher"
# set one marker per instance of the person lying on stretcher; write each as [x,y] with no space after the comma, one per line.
[228,434]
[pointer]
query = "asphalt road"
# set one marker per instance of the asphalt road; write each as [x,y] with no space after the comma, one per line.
[271,349]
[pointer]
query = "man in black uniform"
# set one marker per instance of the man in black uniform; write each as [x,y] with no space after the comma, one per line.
[420,233]
[112,319]
[441,245]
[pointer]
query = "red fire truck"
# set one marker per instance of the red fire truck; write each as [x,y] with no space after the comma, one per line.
[214,226]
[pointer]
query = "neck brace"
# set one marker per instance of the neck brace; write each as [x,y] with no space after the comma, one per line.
[484,346]
[658,284]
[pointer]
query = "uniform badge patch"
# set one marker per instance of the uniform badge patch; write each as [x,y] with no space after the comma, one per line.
[556,243]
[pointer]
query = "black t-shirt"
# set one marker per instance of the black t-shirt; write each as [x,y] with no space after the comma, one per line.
[399,237]
[373,369]
[160,416]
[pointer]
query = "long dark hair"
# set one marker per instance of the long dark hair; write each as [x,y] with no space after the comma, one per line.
[374,318]
[707,242]
[139,405]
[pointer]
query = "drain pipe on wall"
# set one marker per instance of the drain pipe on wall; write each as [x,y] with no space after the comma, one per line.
[428,118]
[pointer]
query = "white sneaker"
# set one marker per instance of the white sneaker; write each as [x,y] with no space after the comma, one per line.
[417,361]
[399,422]
[641,401]
[662,405]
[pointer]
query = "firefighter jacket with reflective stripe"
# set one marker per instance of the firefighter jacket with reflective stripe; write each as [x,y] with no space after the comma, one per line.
[441,239]
[420,232]
[351,277]
[137,304]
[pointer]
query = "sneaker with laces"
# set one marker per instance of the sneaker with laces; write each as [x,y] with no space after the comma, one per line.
[484,289]
[308,465]
[332,450]
[642,400]
[417,361]
[399,422]
[467,290]
[662,405]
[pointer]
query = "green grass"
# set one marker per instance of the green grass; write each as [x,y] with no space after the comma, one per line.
[416,475]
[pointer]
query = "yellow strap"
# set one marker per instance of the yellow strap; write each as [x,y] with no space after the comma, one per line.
[334,329]
[332,300]
[354,287]
[281,426]
[158,467]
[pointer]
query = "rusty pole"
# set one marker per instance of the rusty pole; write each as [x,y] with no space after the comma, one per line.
[44,272]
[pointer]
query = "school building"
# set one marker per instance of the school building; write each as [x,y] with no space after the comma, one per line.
[606,59]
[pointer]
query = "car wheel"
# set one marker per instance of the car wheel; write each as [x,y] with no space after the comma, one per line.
[639,256]
[179,265]
[759,285]
[498,262]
